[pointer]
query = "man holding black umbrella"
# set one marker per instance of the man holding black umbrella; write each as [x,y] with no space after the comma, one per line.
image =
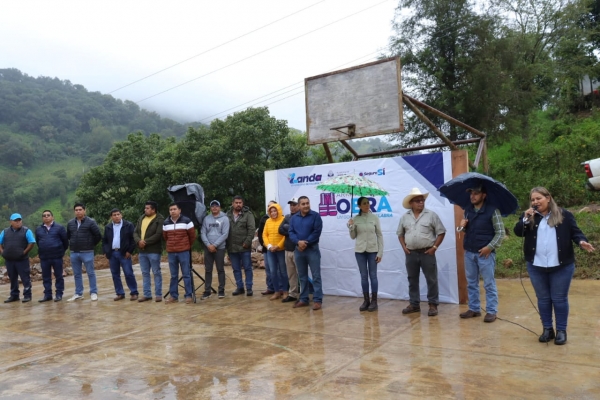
[484,231]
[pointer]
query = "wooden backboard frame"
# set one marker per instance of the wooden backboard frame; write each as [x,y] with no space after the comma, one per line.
[361,101]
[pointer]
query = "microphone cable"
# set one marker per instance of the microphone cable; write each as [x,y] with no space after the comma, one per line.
[521,278]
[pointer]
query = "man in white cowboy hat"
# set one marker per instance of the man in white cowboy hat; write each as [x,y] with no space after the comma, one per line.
[420,233]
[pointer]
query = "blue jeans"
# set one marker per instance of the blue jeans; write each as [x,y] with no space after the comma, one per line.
[47,265]
[310,257]
[476,266]
[551,287]
[238,261]
[177,260]
[151,261]
[368,269]
[279,276]
[268,273]
[77,260]
[116,262]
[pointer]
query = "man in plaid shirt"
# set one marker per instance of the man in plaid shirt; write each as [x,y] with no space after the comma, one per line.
[484,231]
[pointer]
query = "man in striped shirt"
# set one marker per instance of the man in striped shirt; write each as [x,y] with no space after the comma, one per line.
[179,234]
[484,231]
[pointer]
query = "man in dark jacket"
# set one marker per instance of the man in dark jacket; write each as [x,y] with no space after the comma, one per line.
[118,246]
[15,243]
[305,232]
[484,231]
[83,234]
[239,244]
[290,261]
[52,244]
[148,236]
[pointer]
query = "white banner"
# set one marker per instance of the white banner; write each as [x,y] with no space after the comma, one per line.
[397,176]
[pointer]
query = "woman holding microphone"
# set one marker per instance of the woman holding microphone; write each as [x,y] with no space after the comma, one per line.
[366,230]
[549,233]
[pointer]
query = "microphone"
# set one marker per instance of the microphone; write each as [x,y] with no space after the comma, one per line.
[528,218]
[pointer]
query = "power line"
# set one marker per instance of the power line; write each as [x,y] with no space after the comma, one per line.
[216,47]
[260,52]
[294,85]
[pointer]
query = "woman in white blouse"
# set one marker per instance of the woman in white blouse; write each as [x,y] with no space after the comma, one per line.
[549,233]
[366,230]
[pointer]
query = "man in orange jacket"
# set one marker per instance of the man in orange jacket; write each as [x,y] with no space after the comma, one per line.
[179,234]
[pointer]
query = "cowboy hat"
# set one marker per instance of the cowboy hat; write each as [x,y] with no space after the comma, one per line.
[415,192]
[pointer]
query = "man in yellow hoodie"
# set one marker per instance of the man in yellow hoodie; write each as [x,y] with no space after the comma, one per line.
[274,241]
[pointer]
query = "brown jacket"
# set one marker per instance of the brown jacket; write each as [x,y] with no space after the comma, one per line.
[179,236]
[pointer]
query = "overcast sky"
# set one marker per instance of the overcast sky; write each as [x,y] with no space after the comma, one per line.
[105,45]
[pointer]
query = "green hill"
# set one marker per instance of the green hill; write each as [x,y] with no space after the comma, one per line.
[52,131]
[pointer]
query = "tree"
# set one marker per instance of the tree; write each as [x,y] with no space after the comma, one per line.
[227,158]
[450,61]
[492,67]
[122,181]
[231,156]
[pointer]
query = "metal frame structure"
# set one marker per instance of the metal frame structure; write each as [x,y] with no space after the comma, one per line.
[412,103]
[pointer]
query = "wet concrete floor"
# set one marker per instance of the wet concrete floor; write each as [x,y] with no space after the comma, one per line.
[250,347]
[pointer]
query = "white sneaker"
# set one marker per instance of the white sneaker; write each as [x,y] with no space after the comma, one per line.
[94,297]
[76,297]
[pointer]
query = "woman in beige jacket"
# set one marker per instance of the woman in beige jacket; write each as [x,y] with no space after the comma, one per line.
[366,230]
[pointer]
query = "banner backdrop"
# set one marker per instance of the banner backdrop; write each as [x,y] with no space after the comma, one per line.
[397,176]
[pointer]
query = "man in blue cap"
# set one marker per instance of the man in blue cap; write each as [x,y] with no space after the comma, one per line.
[15,244]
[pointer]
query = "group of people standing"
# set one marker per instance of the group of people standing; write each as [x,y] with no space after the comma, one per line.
[291,246]
[549,232]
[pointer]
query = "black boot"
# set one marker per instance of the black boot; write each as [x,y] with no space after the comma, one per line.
[365,303]
[547,335]
[561,337]
[373,305]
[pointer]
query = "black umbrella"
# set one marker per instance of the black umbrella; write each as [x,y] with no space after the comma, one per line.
[498,195]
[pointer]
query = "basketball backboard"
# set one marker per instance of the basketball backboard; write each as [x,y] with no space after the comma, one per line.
[361,101]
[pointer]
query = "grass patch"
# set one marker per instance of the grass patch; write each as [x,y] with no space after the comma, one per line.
[62,213]
[73,167]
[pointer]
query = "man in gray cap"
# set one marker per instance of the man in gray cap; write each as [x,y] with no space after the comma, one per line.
[214,233]
[15,244]
[290,262]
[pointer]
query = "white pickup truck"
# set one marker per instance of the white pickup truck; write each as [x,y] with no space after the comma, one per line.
[592,169]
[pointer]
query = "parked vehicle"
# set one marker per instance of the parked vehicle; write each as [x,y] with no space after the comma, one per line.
[592,169]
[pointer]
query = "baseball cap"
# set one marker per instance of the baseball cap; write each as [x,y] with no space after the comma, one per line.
[15,216]
[215,202]
[294,200]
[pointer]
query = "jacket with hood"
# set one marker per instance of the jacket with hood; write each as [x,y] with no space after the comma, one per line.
[241,232]
[215,230]
[271,235]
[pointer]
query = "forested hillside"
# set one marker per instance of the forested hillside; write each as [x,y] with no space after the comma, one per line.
[52,131]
